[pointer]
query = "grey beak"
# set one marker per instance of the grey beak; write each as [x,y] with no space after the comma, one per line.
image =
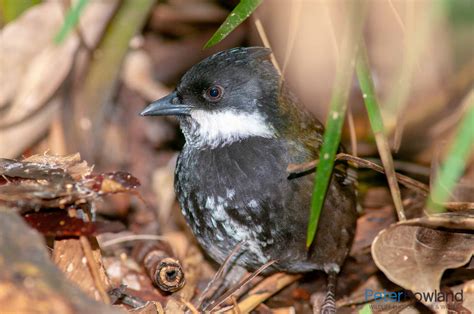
[168,105]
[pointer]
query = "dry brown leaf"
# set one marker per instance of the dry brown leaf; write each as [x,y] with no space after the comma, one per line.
[415,254]
[137,75]
[18,58]
[72,164]
[45,74]
[69,256]
[22,40]
[29,281]
[57,182]
[50,66]
[15,139]
[163,186]
[369,225]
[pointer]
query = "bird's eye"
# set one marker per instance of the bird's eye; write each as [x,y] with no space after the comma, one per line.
[214,93]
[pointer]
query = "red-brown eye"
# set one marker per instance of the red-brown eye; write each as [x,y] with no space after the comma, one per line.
[214,93]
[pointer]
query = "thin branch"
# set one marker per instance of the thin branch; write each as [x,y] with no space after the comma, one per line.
[223,269]
[86,247]
[135,237]
[296,169]
[266,43]
[240,285]
[266,289]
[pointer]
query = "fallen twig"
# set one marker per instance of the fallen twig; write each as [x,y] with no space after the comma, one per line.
[86,247]
[295,169]
[239,286]
[212,286]
[266,289]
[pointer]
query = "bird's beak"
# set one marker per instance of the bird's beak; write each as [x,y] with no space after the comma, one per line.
[168,105]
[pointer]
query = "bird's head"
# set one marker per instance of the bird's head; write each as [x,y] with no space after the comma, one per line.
[227,97]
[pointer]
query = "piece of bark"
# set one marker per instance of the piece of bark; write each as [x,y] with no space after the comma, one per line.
[29,281]
[49,67]
[163,268]
[192,264]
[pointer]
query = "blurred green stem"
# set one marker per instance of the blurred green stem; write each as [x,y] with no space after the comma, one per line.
[101,78]
[337,110]
[376,123]
[455,163]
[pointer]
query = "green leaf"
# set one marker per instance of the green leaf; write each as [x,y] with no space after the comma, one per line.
[240,13]
[366,309]
[11,9]
[376,123]
[71,20]
[337,110]
[453,166]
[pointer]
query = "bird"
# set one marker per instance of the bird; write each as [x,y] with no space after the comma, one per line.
[243,127]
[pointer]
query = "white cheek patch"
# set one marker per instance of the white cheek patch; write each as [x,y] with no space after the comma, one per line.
[225,127]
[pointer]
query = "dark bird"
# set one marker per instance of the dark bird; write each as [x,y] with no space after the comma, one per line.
[242,129]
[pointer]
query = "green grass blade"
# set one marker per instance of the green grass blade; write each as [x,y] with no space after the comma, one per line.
[366,309]
[240,13]
[71,20]
[337,110]
[455,163]
[11,9]
[375,117]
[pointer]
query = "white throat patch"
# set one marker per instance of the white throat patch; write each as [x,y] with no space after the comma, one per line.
[224,127]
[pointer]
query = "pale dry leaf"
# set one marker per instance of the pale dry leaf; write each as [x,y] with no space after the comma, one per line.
[137,75]
[15,139]
[163,186]
[29,281]
[415,257]
[68,255]
[45,74]
[50,66]
[72,164]
[22,40]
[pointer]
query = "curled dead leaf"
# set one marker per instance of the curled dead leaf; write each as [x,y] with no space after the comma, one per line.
[414,254]
[21,41]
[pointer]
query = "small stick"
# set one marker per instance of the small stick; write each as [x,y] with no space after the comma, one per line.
[134,237]
[86,247]
[352,130]
[235,306]
[189,306]
[295,169]
[240,285]
[210,288]
[295,10]
[459,206]
[119,293]
[266,289]
[266,43]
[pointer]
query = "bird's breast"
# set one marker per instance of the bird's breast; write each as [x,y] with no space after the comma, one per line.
[233,194]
